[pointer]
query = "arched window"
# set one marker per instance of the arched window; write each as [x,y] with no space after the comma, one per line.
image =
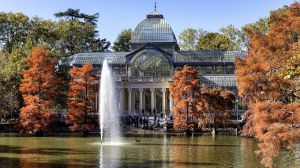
[209,69]
[200,70]
[229,69]
[219,69]
[149,63]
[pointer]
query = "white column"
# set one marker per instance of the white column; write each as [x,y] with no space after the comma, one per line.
[144,101]
[122,103]
[171,104]
[129,101]
[164,100]
[141,100]
[133,95]
[152,99]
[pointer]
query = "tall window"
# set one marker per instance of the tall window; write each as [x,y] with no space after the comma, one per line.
[149,63]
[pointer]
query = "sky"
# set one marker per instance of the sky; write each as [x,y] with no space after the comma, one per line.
[116,15]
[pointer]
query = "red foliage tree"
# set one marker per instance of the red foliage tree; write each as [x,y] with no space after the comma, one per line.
[81,98]
[217,103]
[194,101]
[38,89]
[268,80]
[275,128]
[184,91]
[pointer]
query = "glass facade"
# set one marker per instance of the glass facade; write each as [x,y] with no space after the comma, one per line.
[149,63]
[153,29]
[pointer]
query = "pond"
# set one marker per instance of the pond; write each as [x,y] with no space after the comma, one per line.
[69,152]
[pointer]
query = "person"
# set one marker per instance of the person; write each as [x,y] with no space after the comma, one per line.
[140,120]
[143,116]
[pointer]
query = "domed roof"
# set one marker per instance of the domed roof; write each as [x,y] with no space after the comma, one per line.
[153,29]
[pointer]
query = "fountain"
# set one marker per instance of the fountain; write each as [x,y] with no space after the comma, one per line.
[109,113]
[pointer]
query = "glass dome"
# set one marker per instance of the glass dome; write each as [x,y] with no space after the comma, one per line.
[149,63]
[153,29]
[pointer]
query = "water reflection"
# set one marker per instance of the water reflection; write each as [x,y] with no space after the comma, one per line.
[165,151]
[101,157]
[203,151]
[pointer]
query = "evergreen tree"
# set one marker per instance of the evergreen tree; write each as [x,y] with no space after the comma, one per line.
[74,14]
[215,41]
[78,32]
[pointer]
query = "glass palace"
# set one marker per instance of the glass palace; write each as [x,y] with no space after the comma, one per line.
[143,75]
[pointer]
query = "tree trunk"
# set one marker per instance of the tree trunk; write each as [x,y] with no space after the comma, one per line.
[187,131]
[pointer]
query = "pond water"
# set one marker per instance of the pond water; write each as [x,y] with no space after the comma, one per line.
[73,152]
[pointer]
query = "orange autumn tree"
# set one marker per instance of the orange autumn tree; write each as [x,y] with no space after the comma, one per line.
[81,98]
[268,80]
[38,89]
[216,105]
[184,91]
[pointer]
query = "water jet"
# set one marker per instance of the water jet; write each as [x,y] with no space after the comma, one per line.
[108,111]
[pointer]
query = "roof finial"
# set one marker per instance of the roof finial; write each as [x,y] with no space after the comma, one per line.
[155,6]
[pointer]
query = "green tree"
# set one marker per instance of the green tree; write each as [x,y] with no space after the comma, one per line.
[189,38]
[236,36]
[78,33]
[74,37]
[13,30]
[122,41]
[215,41]
[42,32]
[3,109]
[74,14]
[19,34]
[262,26]
[10,72]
